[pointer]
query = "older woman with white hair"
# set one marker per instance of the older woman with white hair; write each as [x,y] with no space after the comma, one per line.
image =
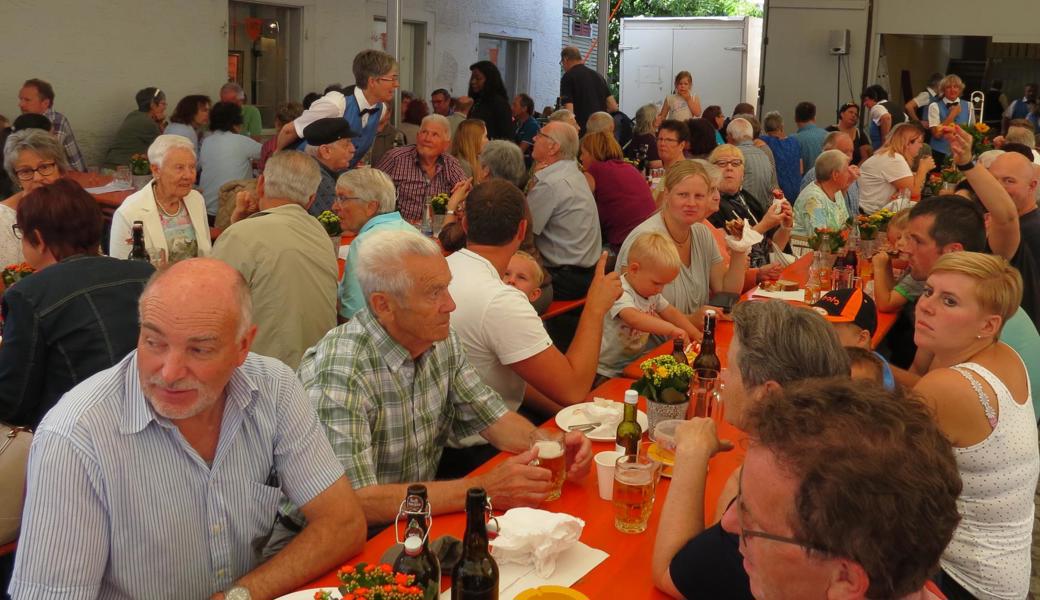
[822,202]
[173,213]
[365,202]
[33,158]
[949,109]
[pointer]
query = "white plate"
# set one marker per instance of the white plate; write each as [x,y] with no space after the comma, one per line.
[308,594]
[575,415]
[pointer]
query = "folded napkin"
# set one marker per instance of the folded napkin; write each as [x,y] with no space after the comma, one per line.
[749,239]
[529,536]
[601,410]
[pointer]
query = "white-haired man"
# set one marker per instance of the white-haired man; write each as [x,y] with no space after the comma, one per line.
[159,477]
[286,258]
[564,217]
[330,142]
[394,382]
[759,173]
[366,202]
[423,170]
[822,203]
[837,140]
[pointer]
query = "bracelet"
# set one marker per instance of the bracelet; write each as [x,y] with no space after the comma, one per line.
[449,212]
[966,166]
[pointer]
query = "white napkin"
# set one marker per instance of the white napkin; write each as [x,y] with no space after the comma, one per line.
[113,186]
[531,536]
[749,239]
[601,410]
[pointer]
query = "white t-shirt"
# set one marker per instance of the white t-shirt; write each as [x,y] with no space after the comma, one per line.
[875,179]
[496,324]
[622,344]
[678,108]
[876,112]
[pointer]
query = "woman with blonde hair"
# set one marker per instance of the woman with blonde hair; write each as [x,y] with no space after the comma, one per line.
[622,196]
[978,389]
[682,104]
[887,173]
[644,133]
[470,139]
[685,202]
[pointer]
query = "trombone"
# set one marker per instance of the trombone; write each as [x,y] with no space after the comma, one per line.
[978,105]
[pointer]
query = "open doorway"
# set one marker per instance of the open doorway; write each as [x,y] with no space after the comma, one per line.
[412,60]
[264,54]
[512,56]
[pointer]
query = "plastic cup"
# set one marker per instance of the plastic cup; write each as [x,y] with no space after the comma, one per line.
[605,462]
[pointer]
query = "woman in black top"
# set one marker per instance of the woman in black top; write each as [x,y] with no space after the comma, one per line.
[490,100]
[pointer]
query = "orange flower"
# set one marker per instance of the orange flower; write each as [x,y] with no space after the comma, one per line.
[386,568]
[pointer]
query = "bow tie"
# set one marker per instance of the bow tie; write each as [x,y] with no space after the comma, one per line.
[369,111]
[952,103]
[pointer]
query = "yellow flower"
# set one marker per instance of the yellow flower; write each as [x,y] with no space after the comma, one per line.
[662,372]
[982,128]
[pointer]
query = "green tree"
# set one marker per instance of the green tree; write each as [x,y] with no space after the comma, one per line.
[589,11]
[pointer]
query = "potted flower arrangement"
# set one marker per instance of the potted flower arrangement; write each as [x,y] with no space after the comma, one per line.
[665,384]
[140,170]
[373,582]
[330,222]
[438,206]
[15,272]
[980,141]
[827,240]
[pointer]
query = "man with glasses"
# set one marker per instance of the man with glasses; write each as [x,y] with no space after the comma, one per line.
[286,259]
[361,105]
[848,490]
[330,142]
[365,202]
[774,345]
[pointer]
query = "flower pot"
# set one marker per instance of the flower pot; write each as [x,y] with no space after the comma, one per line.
[660,411]
[140,181]
[948,187]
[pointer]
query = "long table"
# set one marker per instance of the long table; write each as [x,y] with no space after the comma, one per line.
[109,201]
[796,271]
[626,571]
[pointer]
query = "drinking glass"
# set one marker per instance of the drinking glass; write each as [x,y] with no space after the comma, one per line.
[552,455]
[123,175]
[635,479]
[704,393]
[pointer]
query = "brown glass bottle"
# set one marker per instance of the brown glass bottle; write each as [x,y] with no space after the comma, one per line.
[707,358]
[138,251]
[416,559]
[475,577]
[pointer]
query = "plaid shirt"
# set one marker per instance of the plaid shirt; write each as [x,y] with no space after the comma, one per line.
[414,189]
[61,127]
[387,416]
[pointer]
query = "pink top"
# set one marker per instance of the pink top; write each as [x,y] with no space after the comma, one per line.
[623,198]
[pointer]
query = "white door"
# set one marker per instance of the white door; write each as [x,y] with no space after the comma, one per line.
[646,66]
[715,58]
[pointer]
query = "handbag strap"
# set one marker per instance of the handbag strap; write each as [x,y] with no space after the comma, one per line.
[11,434]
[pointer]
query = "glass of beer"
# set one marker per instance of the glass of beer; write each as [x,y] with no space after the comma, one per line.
[552,455]
[635,478]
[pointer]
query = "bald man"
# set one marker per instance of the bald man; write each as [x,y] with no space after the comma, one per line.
[163,473]
[1020,178]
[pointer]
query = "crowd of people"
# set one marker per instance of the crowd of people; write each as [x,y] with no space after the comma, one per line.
[258,414]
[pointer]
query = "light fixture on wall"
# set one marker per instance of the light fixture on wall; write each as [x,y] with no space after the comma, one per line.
[271,30]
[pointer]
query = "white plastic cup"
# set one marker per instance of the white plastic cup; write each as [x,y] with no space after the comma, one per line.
[605,462]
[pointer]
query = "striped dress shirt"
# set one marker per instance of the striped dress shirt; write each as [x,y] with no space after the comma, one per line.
[120,506]
[414,188]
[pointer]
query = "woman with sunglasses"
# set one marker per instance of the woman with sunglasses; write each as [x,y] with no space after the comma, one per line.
[32,158]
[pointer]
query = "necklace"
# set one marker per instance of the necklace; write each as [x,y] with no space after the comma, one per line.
[163,208]
[669,230]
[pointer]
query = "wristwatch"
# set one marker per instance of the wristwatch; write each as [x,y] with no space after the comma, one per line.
[966,166]
[238,593]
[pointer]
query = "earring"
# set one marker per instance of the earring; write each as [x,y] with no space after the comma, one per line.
[978,337]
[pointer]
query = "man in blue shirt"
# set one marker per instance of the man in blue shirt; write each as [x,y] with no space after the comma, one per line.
[810,136]
[524,122]
[161,476]
[360,105]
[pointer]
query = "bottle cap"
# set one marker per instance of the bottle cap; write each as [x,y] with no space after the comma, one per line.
[631,397]
[709,313]
[412,545]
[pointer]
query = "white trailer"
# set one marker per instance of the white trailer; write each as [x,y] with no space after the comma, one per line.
[723,54]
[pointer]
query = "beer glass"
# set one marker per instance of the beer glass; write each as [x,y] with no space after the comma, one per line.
[635,479]
[552,455]
[704,394]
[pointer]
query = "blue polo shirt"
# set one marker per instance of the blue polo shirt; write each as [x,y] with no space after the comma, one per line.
[351,299]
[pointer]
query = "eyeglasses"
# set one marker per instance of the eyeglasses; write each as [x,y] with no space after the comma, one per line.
[723,163]
[394,79]
[17,231]
[667,140]
[746,534]
[341,198]
[45,169]
[546,136]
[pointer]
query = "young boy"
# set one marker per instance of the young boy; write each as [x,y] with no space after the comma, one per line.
[525,274]
[891,298]
[854,318]
[653,262]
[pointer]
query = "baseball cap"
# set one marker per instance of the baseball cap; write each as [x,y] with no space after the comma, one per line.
[327,131]
[849,306]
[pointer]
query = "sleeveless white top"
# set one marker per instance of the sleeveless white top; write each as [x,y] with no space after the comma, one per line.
[990,551]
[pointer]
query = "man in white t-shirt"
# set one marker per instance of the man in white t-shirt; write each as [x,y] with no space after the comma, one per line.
[504,338]
[917,107]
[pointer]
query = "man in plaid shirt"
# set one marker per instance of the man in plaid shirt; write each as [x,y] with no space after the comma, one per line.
[391,385]
[423,170]
[37,97]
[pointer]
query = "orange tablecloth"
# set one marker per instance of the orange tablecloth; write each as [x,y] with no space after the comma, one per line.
[797,271]
[626,572]
[108,202]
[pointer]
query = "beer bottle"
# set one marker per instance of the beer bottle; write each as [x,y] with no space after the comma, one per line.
[629,433]
[416,559]
[679,352]
[707,358]
[138,251]
[646,162]
[475,577]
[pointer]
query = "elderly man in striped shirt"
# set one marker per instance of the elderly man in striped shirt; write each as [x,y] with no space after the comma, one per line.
[160,477]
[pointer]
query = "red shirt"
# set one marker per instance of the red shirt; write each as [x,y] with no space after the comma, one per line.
[623,198]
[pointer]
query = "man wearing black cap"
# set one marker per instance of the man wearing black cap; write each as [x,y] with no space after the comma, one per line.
[854,317]
[329,142]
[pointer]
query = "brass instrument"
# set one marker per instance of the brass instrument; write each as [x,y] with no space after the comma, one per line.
[978,105]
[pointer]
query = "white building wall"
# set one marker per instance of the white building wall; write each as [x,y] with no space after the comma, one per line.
[98,54]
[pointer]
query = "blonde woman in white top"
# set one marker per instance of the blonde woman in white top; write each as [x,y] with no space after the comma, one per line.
[172,211]
[683,104]
[979,391]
